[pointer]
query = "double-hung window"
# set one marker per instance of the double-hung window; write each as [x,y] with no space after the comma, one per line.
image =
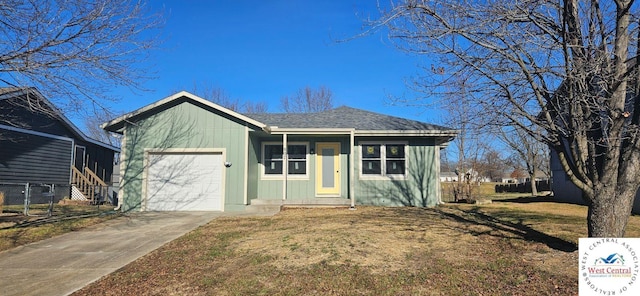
[297,159]
[273,159]
[395,161]
[371,159]
[383,159]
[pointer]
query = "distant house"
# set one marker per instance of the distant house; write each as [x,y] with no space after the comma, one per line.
[39,146]
[186,153]
[472,175]
[509,180]
[518,176]
[448,177]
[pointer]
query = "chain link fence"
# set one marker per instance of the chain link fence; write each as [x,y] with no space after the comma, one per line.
[35,199]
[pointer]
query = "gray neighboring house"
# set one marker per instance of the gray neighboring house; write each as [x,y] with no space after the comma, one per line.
[42,147]
[186,153]
[565,191]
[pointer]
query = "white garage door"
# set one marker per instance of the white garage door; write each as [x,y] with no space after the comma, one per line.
[184,182]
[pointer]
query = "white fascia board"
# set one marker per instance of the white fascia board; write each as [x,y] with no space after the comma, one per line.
[311,131]
[410,133]
[361,133]
[176,96]
[35,133]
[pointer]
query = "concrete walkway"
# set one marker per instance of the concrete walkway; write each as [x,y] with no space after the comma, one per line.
[64,264]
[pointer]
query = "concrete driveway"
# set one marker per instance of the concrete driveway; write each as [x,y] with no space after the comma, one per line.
[64,264]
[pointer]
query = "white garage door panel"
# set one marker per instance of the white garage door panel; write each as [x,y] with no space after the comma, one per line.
[184,182]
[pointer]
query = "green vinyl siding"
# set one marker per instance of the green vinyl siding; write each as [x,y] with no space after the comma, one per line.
[253,165]
[297,189]
[187,124]
[184,125]
[419,187]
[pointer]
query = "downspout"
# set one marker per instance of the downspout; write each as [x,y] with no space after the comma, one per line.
[353,171]
[121,166]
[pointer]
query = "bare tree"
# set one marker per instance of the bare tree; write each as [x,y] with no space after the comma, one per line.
[568,67]
[470,144]
[254,107]
[93,130]
[220,97]
[308,100]
[528,151]
[74,50]
[492,165]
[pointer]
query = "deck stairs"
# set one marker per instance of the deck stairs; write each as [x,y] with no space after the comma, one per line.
[88,186]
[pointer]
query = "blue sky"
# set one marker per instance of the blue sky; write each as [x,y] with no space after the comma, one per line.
[260,51]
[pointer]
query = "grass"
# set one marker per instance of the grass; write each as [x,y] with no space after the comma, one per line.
[483,191]
[508,247]
[17,229]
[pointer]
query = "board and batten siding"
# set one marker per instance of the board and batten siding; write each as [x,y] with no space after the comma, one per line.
[184,125]
[35,158]
[418,188]
[254,164]
[297,188]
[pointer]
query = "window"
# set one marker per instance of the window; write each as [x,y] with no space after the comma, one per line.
[297,159]
[273,160]
[383,159]
[395,159]
[371,160]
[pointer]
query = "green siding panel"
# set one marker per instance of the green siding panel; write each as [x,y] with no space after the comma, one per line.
[184,126]
[253,166]
[418,188]
[299,189]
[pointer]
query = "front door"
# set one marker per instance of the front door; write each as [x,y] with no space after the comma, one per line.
[328,169]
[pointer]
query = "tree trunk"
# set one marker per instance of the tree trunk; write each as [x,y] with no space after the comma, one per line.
[532,179]
[534,188]
[609,211]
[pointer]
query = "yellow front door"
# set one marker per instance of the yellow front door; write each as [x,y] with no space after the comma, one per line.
[328,169]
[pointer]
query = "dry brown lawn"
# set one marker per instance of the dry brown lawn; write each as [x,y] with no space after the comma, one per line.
[504,248]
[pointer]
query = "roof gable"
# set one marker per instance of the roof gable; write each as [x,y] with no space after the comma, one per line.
[7,93]
[339,120]
[116,125]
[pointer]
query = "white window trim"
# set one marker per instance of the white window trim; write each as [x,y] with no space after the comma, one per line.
[383,161]
[264,176]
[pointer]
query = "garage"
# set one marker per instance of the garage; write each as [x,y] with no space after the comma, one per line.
[184,182]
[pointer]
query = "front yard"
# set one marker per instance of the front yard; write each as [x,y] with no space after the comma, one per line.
[505,248]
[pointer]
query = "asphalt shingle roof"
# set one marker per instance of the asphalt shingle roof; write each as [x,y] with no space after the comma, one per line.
[343,117]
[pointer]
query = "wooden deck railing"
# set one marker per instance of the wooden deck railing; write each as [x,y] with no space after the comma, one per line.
[89,184]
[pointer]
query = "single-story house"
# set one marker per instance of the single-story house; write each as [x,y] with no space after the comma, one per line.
[565,191]
[448,177]
[186,153]
[41,147]
[519,176]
